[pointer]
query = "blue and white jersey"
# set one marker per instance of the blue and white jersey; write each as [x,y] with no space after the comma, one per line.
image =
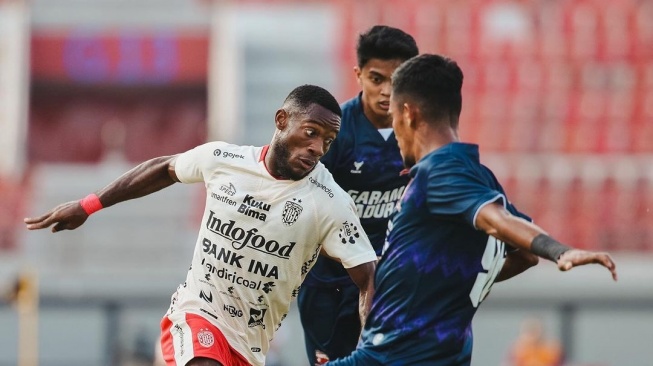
[369,168]
[437,267]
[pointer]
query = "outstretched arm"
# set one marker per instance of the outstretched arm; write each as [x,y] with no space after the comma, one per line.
[363,277]
[495,220]
[146,178]
[517,261]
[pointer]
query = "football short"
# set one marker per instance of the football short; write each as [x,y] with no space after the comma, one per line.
[185,336]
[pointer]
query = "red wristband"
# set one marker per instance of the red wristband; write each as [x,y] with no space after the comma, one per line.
[91,204]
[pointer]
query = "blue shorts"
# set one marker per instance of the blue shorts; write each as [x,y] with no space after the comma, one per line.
[357,358]
[330,320]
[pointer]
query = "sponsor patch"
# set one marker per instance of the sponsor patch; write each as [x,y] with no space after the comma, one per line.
[348,233]
[256,317]
[227,154]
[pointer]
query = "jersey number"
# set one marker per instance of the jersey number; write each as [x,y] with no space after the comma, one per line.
[492,262]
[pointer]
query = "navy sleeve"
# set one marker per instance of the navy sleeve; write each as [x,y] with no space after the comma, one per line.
[457,190]
[509,206]
[513,210]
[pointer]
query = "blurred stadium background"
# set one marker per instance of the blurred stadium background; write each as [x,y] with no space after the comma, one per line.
[558,93]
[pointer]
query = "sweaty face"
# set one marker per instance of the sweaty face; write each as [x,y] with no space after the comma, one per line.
[306,137]
[374,79]
[403,132]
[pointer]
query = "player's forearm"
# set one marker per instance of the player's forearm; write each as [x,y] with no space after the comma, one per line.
[146,178]
[495,220]
[516,262]
[365,304]
[363,277]
[498,222]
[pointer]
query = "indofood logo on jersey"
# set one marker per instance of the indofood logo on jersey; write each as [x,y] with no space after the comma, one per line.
[376,204]
[227,154]
[241,238]
[254,208]
[291,211]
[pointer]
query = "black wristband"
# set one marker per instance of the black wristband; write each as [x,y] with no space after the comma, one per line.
[547,247]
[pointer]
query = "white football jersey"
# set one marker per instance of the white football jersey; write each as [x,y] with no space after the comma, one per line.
[258,238]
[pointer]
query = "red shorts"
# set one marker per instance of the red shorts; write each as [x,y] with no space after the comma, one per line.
[186,336]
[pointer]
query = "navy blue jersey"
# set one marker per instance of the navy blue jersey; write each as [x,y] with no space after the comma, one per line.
[369,168]
[436,267]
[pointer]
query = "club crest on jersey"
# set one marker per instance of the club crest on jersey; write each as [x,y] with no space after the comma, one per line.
[348,233]
[291,211]
[357,167]
[205,337]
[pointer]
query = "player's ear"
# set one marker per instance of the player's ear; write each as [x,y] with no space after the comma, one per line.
[358,72]
[281,119]
[409,114]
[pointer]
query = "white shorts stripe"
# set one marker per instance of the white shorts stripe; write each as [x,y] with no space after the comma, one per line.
[182,339]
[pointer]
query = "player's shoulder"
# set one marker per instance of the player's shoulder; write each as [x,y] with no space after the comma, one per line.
[322,181]
[454,155]
[221,150]
[351,110]
[351,104]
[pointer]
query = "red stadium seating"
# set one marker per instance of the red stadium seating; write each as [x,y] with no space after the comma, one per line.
[559,93]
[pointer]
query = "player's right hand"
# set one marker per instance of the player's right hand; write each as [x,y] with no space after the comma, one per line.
[66,216]
[577,257]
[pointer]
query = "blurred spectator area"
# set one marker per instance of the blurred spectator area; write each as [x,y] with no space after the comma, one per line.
[137,94]
[90,124]
[559,95]
[540,76]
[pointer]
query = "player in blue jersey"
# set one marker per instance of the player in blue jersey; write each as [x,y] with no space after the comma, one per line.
[449,240]
[365,161]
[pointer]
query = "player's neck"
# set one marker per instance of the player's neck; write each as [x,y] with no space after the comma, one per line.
[270,163]
[429,139]
[383,121]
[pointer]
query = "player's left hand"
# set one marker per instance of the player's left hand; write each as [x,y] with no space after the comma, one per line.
[576,257]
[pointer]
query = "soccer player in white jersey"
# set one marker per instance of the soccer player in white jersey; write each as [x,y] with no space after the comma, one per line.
[270,211]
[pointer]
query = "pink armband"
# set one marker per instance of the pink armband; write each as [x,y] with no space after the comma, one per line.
[91,204]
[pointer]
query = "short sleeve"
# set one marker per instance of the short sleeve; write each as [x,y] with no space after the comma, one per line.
[192,165]
[345,239]
[455,189]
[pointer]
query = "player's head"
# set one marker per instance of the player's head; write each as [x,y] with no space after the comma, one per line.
[385,43]
[425,89]
[380,50]
[307,124]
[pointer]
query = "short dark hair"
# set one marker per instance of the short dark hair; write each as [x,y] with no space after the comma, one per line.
[434,83]
[305,95]
[385,43]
